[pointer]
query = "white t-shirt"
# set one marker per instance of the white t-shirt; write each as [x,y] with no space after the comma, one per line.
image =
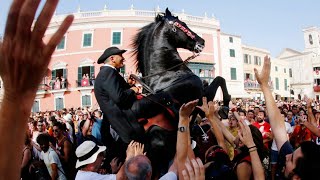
[169,176]
[289,130]
[51,157]
[87,175]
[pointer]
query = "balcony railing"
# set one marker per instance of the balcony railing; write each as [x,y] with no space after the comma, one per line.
[255,85]
[57,85]
[85,82]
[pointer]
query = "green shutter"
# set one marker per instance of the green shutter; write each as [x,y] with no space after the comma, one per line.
[116,38]
[277,84]
[53,74]
[79,73]
[91,71]
[83,100]
[62,43]
[65,73]
[233,72]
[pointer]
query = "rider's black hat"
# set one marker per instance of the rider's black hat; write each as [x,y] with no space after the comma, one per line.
[109,52]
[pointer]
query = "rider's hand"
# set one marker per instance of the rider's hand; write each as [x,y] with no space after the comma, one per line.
[135,89]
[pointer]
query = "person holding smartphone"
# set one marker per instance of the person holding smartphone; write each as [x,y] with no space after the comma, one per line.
[300,133]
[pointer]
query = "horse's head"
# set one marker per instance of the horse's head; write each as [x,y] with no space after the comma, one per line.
[179,33]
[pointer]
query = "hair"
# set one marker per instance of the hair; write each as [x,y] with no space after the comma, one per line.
[264,113]
[143,167]
[43,139]
[242,111]
[205,83]
[308,167]
[61,126]
[251,111]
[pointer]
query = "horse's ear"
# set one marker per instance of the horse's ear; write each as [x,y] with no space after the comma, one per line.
[168,13]
[159,17]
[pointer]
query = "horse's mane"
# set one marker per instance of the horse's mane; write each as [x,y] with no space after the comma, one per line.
[140,41]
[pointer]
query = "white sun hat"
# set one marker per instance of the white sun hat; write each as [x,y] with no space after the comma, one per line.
[87,153]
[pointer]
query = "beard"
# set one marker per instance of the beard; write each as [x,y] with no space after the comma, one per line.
[260,120]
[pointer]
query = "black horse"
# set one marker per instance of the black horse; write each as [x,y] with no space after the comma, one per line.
[163,70]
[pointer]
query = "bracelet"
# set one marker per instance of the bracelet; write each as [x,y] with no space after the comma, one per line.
[251,150]
[252,147]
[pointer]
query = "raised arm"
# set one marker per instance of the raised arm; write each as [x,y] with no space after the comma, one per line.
[24,59]
[210,109]
[276,121]
[184,134]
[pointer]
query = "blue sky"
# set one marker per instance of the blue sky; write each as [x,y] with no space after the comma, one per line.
[269,24]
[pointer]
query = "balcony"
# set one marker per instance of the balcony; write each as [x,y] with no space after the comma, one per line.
[85,84]
[254,85]
[316,88]
[58,86]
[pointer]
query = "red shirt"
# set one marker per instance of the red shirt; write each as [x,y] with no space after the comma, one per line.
[264,128]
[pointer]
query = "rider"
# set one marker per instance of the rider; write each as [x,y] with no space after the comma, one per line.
[118,100]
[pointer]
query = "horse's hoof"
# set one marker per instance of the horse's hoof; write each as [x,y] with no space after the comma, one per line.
[223,112]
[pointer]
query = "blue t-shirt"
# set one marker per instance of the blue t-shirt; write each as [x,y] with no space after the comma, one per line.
[286,149]
[96,129]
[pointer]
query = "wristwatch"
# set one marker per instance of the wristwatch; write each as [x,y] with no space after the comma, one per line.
[182,129]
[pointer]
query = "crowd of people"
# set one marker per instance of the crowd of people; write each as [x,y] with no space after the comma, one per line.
[259,140]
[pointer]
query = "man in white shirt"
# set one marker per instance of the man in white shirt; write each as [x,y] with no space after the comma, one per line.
[50,158]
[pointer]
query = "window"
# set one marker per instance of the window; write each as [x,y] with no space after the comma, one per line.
[257,60]
[310,39]
[203,70]
[86,100]
[123,71]
[231,39]
[116,38]
[246,58]
[61,45]
[277,83]
[290,72]
[276,68]
[284,70]
[233,72]
[86,76]
[87,40]
[249,59]
[59,103]
[36,106]
[285,85]
[232,53]
[59,79]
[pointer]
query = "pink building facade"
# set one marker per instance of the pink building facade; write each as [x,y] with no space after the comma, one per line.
[71,73]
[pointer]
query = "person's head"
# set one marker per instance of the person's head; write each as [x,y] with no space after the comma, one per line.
[261,116]
[112,56]
[90,156]
[58,129]
[283,115]
[303,163]
[131,81]
[256,110]
[295,110]
[250,115]
[43,141]
[205,83]
[233,122]
[40,126]
[138,167]
[302,112]
[98,114]
[289,115]
[220,167]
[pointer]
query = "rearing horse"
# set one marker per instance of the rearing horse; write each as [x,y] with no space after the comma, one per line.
[155,47]
[162,68]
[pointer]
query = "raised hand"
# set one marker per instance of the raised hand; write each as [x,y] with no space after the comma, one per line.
[263,76]
[24,57]
[208,108]
[115,165]
[139,148]
[245,134]
[186,109]
[131,149]
[194,171]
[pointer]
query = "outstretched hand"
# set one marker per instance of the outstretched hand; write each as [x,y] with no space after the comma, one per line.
[208,108]
[194,170]
[245,134]
[263,76]
[186,109]
[24,57]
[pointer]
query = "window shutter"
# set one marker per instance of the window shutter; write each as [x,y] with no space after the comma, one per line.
[91,71]
[79,73]
[53,74]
